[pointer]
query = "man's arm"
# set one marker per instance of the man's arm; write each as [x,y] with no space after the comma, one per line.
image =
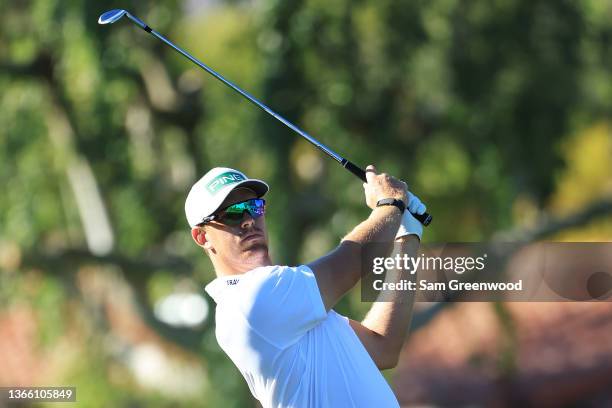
[385,327]
[338,271]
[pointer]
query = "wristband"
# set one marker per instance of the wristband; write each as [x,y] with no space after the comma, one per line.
[392,201]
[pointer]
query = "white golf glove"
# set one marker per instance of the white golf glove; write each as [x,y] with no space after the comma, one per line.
[411,225]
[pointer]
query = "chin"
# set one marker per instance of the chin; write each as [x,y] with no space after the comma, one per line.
[257,247]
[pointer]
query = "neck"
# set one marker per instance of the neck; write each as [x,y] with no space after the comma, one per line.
[228,267]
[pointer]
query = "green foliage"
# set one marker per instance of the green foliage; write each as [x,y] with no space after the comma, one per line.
[472,103]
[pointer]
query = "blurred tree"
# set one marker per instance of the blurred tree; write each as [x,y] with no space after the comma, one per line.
[494,112]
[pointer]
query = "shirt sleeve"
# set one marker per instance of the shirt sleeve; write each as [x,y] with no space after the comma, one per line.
[282,303]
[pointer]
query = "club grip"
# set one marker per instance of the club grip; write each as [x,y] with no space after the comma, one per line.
[356,170]
[424,218]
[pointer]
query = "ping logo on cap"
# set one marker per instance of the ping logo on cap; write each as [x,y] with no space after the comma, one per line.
[222,180]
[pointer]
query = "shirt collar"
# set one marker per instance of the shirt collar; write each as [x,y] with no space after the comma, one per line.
[216,288]
[220,284]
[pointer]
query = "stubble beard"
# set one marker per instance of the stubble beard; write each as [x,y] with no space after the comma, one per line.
[256,251]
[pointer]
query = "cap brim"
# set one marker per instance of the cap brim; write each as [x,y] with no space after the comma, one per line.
[259,187]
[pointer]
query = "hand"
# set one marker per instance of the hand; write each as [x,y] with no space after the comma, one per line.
[381,186]
[410,225]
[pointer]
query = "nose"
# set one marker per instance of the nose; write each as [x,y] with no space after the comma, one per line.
[247,220]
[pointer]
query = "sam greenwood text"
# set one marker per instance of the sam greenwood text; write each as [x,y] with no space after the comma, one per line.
[453,285]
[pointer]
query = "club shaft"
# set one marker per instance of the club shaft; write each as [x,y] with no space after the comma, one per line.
[242,92]
[425,218]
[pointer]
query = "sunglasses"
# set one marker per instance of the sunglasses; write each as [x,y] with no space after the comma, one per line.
[232,215]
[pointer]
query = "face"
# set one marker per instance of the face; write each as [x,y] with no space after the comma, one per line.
[237,248]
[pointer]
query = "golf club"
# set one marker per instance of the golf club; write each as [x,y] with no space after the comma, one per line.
[114,15]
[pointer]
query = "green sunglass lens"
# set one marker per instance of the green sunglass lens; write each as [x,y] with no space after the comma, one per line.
[231,218]
[232,215]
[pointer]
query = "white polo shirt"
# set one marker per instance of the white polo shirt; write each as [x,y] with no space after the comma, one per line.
[272,323]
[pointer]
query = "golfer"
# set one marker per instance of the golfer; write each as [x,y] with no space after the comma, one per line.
[276,322]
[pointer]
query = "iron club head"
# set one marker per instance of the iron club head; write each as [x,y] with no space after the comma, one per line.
[111,16]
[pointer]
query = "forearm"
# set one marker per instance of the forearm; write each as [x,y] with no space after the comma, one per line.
[338,271]
[390,319]
[379,229]
[380,226]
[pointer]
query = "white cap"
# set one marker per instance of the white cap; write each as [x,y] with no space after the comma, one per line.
[210,191]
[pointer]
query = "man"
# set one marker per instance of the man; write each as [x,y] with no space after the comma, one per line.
[275,322]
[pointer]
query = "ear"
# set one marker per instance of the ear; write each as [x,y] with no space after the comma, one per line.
[199,236]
